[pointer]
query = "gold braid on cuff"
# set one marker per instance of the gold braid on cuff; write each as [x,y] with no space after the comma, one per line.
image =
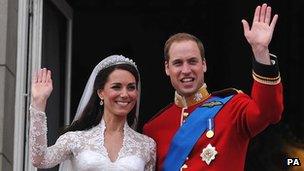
[266,80]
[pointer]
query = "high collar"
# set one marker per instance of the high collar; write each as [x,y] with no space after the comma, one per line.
[196,98]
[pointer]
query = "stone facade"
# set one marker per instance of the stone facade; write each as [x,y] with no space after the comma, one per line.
[8,56]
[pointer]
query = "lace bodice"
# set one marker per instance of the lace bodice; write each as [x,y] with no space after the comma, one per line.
[86,150]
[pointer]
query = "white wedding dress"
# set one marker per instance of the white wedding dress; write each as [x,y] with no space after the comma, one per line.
[85,150]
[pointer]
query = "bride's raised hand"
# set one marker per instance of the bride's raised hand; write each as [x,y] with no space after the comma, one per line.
[42,87]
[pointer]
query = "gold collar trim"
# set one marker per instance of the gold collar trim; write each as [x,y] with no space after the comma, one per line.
[196,98]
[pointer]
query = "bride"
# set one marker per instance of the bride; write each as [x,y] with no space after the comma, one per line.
[99,137]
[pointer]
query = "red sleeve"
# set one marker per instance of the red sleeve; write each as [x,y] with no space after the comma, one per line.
[266,104]
[265,108]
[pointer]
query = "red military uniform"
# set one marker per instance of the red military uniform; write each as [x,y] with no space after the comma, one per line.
[240,119]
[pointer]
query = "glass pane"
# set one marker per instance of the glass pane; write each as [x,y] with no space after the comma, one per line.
[54,58]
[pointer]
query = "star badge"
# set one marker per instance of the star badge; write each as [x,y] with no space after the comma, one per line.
[208,154]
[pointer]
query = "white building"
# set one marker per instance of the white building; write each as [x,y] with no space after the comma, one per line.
[22,51]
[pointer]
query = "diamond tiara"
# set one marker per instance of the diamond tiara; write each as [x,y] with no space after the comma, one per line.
[115,60]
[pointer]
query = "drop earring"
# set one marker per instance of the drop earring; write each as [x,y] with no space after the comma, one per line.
[101,102]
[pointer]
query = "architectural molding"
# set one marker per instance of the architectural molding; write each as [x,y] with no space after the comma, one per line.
[21,92]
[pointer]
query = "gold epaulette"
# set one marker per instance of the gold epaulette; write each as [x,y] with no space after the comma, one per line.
[226,92]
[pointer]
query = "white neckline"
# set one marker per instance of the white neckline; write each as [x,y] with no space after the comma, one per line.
[103,128]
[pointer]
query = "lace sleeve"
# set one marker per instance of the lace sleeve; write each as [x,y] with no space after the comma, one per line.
[41,155]
[150,166]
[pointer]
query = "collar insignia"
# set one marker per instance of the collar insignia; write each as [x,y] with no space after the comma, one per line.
[199,96]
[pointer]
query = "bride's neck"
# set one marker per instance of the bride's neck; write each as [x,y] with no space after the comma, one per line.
[114,123]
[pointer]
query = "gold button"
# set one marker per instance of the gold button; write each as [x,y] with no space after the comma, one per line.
[184,167]
[185,114]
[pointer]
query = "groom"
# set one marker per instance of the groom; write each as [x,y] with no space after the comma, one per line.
[211,131]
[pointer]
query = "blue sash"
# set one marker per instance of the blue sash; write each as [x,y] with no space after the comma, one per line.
[191,130]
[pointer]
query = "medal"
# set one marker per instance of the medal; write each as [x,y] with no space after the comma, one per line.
[208,154]
[210,132]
